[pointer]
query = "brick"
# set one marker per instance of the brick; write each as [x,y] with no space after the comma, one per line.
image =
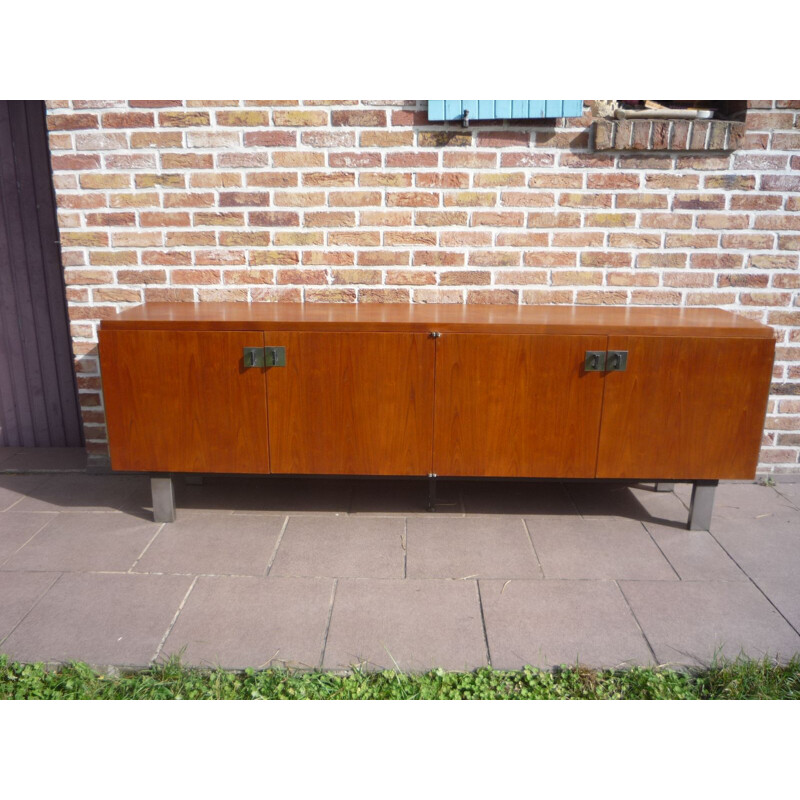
[756,202]
[613,180]
[329,219]
[383,258]
[549,258]
[556,180]
[716,260]
[470,199]
[84,277]
[690,279]
[159,219]
[134,200]
[386,139]
[647,297]
[780,183]
[128,119]
[765,298]
[171,295]
[680,240]
[187,161]
[501,219]
[748,241]
[547,297]
[297,239]
[238,277]
[438,258]
[79,201]
[412,160]
[352,118]
[173,180]
[410,277]
[352,199]
[154,103]
[526,239]
[418,238]
[337,258]
[571,238]
[733,280]
[474,159]
[243,119]
[777,222]
[131,161]
[329,179]
[270,139]
[699,201]
[413,199]
[493,258]
[608,220]
[146,276]
[407,118]
[499,179]
[493,296]
[210,258]
[219,139]
[461,239]
[528,199]
[464,278]
[439,219]
[251,159]
[314,138]
[641,200]
[524,277]
[356,276]
[631,278]
[218,218]
[137,239]
[590,258]
[183,119]
[228,199]
[786,141]
[399,179]
[75,162]
[444,138]
[299,119]
[380,219]
[587,200]
[71,122]
[330,295]
[166,258]
[678,221]
[773,262]
[442,180]
[383,295]
[244,238]
[351,238]
[542,219]
[272,178]
[793,203]
[722,221]
[577,277]
[528,158]
[196,276]
[354,160]
[504,138]
[634,240]
[300,199]
[302,276]
[297,159]
[107,180]
[670,181]
[704,162]
[110,219]
[789,242]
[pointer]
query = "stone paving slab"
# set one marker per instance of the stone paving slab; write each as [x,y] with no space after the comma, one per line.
[103,619]
[690,622]
[598,549]
[253,622]
[410,625]
[18,529]
[474,547]
[19,592]
[553,622]
[213,544]
[78,493]
[16,488]
[85,542]
[342,547]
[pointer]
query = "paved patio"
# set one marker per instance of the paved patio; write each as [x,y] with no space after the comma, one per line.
[329,574]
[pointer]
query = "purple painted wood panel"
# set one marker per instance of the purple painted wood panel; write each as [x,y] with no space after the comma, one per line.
[38,397]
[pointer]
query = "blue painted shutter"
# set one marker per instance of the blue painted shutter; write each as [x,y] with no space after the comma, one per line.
[503,109]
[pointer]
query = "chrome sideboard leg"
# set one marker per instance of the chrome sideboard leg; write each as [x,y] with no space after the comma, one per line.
[664,487]
[163,491]
[702,505]
[431,492]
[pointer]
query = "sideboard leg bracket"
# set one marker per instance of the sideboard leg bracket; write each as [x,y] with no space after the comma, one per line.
[431,493]
[664,487]
[163,490]
[702,505]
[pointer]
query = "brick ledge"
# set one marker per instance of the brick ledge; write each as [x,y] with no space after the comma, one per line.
[663,134]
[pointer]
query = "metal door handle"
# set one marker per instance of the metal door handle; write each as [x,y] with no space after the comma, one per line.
[595,361]
[617,360]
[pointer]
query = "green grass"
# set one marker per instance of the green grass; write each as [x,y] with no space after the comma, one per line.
[737,680]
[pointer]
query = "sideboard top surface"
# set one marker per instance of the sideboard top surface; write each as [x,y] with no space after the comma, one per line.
[620,320]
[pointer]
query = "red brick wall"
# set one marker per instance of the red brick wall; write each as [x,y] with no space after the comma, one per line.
[365,201]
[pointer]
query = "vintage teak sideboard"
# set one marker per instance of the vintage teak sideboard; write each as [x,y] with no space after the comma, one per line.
[651,394]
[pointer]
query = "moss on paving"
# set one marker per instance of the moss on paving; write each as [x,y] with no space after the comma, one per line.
[741,679]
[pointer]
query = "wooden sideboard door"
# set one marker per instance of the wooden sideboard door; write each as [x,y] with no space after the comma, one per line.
[689,408]
[516,405]
[351,403]
[183,401]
